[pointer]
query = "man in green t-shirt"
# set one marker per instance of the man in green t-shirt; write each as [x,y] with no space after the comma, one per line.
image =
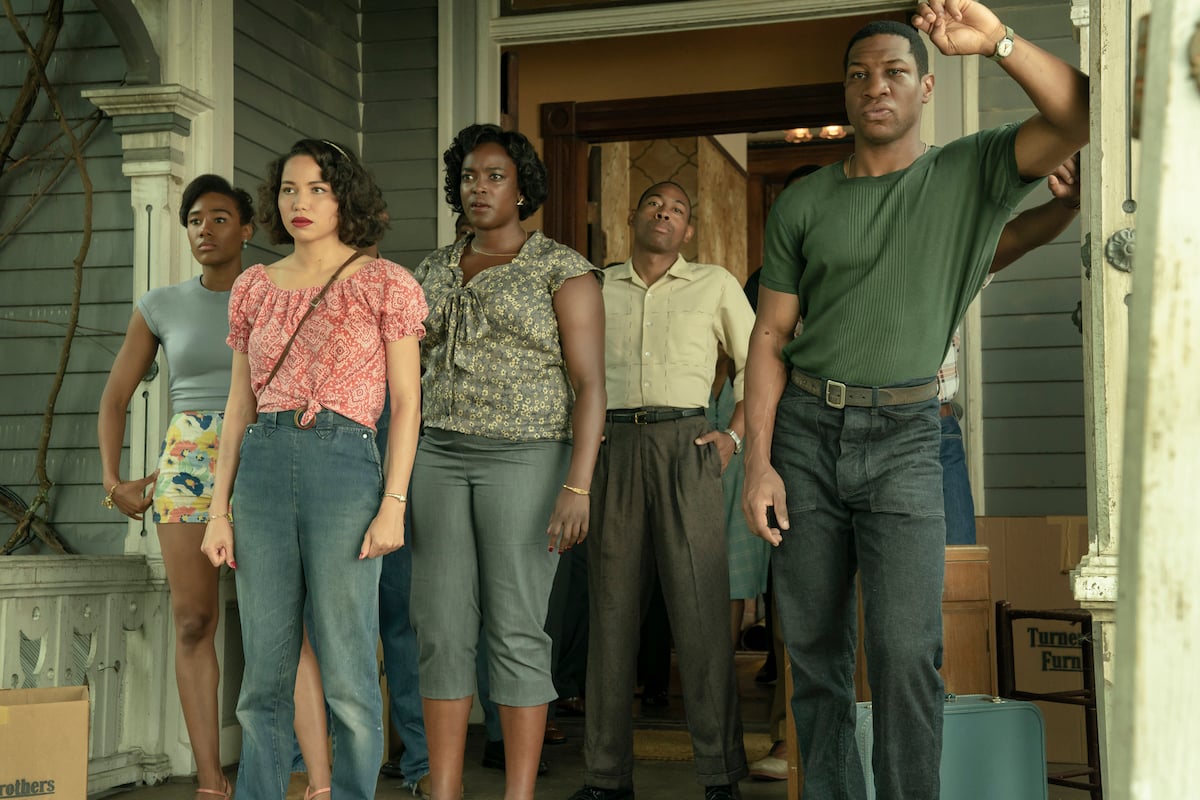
[880,255]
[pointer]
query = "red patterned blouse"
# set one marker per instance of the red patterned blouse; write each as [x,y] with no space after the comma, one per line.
[337,361]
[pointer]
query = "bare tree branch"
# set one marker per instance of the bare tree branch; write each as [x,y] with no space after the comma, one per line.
[97,117]
[53,20]
[44,482]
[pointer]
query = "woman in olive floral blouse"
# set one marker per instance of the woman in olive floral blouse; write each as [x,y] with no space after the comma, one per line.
[513,406]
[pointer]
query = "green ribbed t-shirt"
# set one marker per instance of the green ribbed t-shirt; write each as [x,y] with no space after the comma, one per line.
[885,267]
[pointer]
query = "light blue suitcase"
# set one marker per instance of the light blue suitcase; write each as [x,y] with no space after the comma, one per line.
[992,749]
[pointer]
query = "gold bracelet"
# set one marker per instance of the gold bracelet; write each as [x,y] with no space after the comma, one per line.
[107,502]
[228,515]
[399,497]
[575,490]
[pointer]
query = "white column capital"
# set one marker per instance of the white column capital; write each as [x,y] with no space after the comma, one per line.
[1081,13]
[153,121]
[170,97]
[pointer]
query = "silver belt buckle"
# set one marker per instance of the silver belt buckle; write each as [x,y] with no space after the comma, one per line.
[835,394]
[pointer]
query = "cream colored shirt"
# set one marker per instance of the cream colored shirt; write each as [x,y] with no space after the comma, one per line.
[661,341]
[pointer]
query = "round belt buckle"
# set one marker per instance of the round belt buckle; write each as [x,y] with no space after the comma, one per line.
[300,422]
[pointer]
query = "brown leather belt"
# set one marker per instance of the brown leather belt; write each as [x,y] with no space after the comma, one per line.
[838,395]
[947,410]
[648,416]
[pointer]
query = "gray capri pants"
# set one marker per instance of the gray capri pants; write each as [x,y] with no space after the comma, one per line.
[481,563]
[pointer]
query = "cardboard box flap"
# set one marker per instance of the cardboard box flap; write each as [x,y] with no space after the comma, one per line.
[52,694]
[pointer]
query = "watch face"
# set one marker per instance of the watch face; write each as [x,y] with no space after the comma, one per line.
[1004,47]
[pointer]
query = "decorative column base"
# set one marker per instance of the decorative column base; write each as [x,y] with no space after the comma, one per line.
[1095,584]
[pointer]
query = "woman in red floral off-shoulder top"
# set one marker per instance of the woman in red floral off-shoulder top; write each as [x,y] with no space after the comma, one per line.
[299,476]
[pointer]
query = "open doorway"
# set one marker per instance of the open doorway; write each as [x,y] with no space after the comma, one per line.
[570,130]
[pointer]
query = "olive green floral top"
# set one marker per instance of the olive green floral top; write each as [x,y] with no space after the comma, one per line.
[492,357]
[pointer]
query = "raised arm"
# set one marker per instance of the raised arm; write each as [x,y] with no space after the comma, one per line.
[1041,225]
[1058,90]
[766,378]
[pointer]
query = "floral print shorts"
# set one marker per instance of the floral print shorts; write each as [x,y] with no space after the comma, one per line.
[185,467]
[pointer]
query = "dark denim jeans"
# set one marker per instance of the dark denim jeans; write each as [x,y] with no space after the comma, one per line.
[302,502]
[864,495]
[956,485]
[399,642]
[400,661]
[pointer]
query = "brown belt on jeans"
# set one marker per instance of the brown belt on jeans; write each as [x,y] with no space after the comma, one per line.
[838,395]
[947,410]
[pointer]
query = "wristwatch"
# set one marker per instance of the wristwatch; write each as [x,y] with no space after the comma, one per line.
[737,440]
[1004,46]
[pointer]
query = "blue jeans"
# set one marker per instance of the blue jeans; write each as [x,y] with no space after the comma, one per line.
[302,502]
[400,643]
[956,485]
[400,661]
[864,496]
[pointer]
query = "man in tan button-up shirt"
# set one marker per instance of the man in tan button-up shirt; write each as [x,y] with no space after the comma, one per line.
[657,501]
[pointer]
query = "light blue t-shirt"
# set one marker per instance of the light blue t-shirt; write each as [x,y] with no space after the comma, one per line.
[192,324]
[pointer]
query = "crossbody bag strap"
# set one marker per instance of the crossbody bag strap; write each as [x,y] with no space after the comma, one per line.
[312,306]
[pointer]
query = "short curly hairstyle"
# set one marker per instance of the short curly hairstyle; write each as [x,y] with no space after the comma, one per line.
[362,211]
[531,172]
[215,184]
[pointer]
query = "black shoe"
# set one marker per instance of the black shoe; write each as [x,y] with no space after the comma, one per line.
[654,700]
[727,792]
[766,673]
[596,793]
[391,769]
[493,757]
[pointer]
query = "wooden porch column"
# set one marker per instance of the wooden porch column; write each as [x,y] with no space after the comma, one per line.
[1107,30]
[1158,616]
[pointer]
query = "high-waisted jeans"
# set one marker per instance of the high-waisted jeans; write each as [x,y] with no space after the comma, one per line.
[302,502]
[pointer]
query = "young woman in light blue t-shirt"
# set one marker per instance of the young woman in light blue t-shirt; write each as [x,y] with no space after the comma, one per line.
[190,321]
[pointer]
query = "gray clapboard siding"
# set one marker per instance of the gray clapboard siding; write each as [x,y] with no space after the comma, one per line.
[36,281]
[415,53]
[41,287]
[1049,330]
[406,172]
[1037,400]
[1052,364]
[1048,470]
[1043,501]
[400,121]
[1021,435]
[24,431]
[1060,259]
[296,68]
[1032,366]
[89,353]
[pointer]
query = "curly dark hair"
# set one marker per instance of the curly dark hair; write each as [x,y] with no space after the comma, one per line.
[215,184]
[531,172]
[362,211]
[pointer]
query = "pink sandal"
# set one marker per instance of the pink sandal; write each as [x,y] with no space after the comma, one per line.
[227,792]
[310,793]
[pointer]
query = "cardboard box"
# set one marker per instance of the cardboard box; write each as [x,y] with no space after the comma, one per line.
[44,742]
[1030,561]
